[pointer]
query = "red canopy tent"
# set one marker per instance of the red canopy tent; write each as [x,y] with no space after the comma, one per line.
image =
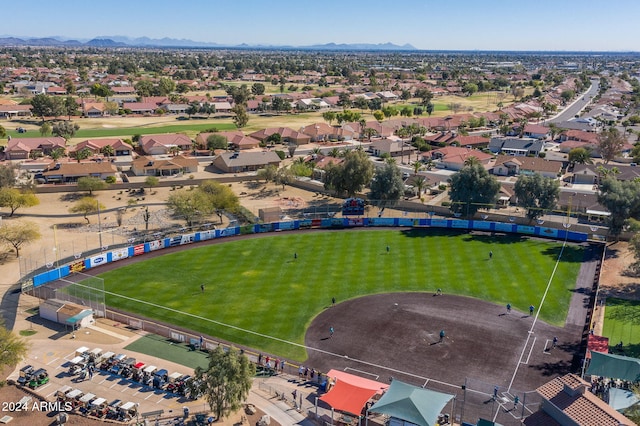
[597,344]
[347,397]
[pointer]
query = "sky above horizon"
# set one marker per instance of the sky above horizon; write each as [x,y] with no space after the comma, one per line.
[540,25]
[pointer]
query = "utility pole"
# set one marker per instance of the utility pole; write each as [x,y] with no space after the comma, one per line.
[99,225]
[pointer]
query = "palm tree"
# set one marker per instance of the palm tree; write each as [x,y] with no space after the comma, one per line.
[316,151]
[108,150]
[335,153]
[419,182]
[174,150]
[471,161]
[402,132]
[390,160]
[417,166]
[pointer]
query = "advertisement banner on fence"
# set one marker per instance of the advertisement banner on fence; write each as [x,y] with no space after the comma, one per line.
[138,249]
[187,239]
[286,225]
[439,223]
[460,224]
[207,235]
[355,221]
[504,227]
[77,266]
[119,254]
[481,225]
[548,232]
[522,229]
[155,245]
[380,221]
[100,259]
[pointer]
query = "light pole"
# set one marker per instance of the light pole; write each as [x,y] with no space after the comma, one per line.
[99,224]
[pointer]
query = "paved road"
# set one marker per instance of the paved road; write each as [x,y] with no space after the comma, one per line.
[578,105]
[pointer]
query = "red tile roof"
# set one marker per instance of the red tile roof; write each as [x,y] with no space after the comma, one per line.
[571,396]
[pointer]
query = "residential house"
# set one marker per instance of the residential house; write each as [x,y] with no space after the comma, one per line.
[508,165]
[56,91]
[175,108]
[140,107]
[311,104]
[165,144]
[236,139]
[287,135]
[387,96]
[568,401]
[12,111]
[585,174]
[93,109]
[320,162]
[71,172]
[395,147]
[22,148]
[237,162]
[516,146]
[96,146]
[149,166]
[454,158]
[123,90]
[318,131]
[536,131]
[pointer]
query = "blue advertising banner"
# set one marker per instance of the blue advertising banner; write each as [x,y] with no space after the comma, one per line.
[439,223]
[504,227]
[460,224]
[522,229]
[481,225]
[547,232]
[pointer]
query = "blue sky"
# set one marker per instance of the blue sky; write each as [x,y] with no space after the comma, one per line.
[581,25]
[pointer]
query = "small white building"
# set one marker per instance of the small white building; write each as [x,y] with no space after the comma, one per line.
[66,313]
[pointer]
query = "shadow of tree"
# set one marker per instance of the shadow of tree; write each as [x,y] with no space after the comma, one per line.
[549,369]
[72,196]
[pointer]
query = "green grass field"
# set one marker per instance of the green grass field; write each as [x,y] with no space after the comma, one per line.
[622,324]
[256,284]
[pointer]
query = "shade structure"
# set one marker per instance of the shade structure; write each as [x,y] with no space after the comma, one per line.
[620,399]
[412,404]
[347,397]
[614,366]
[361,382]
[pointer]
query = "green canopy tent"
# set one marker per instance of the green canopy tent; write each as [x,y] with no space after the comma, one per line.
[614,366]
[412,404]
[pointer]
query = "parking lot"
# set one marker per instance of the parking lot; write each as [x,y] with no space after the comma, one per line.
[54,351]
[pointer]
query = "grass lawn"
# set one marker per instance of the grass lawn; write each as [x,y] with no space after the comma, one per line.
[256,284]
[622,324]
[154,345]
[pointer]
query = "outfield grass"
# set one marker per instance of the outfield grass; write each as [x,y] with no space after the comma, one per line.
[622,324]
[256,284]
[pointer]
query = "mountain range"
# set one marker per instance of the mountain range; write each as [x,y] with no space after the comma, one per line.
[122,41]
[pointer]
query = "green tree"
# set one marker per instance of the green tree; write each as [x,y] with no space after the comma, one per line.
[537,194]
[284,176]
[7,175]
[14,199]
[65,129]
[86,206]
[567,95]
[329,116]
[188,205]
[82,154]
[473,188]
[257,89]
[3,132]
[57,153]
[621,199]
[420,183]
[107,150]
[378,115]
[46,106]
[387,185]
[610,143]
[273,138]
[217,142]
[240,118]
[580,156]
[351,176]
[91,183]
[45,129]
[144,88]
[17,235]
[470,88]
[151,182]
[219,198]
[13,348]
[225,383]
[70,106]
[100,90]
[166,86]
[267,173]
